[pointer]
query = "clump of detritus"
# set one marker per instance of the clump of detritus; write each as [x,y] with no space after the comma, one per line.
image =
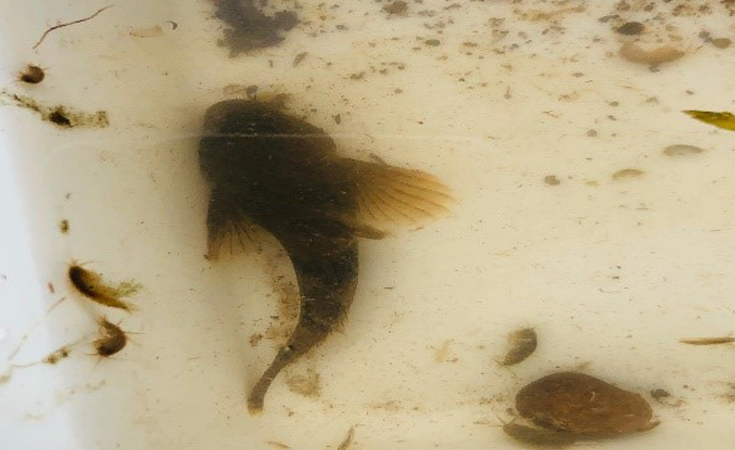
[92,286]
[523,343]
[57,355]
[60,115]
[112,338]
[32,74]
[50,359]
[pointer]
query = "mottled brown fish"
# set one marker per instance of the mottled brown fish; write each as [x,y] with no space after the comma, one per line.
[284,174]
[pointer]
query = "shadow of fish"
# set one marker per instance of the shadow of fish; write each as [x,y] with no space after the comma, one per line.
[283,174]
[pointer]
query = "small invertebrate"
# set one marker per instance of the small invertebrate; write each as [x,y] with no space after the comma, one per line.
[523,344]
[91,285]
[32,74]
[112,338]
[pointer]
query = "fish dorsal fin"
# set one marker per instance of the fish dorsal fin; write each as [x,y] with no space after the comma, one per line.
[389,196]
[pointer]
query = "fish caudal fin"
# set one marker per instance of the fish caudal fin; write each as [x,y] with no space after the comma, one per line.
[388,195]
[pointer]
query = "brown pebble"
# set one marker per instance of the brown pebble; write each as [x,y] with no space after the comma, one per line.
[631,28]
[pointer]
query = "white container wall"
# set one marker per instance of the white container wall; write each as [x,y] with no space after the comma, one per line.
[588,207]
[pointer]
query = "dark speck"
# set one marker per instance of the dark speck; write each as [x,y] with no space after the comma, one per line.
[631,28]
[432,42]
[59,118]
[398,7]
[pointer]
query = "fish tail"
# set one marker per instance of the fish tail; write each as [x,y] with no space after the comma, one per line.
[327,281]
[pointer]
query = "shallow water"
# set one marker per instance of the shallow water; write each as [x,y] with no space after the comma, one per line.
[525,109]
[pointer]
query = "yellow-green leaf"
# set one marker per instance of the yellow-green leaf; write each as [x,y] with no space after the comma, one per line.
[723,119]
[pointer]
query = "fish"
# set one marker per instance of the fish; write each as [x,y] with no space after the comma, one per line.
[283,174]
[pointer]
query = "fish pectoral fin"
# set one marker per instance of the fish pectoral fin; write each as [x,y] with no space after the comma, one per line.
[228,224]
[388,195]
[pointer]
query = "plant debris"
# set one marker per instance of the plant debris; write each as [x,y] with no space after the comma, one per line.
[59,115]
[91,285]
[25,336]
[652,58]
[523,344]
[66,24]
[708,340]
[300,57]
[682,150]
[150,32]
[57,355]
[347,441]
[627,173]
[584,405]
[50,359]
[724,119]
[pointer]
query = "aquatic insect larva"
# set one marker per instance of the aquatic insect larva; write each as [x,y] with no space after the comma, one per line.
[91,285]
[112,338]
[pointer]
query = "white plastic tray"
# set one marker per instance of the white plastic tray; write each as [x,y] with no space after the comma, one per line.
[612,273]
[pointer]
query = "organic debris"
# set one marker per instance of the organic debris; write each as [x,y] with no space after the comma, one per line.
[74,22]
[724,119]
[60,115]
[708,341]
[652,58]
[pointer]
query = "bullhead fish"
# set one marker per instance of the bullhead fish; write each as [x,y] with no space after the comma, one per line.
[268,168]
